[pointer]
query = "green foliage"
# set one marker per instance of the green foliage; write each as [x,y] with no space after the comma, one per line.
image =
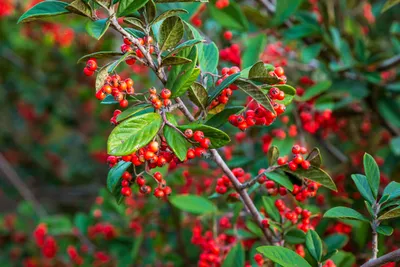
[344,213]
[128,7]
[235,257]
[217,137]
[283,256]
[171,32]
[193,204]
[44,10]
[314,245]
[97,28]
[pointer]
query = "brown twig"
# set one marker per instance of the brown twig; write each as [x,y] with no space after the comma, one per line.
[393,256]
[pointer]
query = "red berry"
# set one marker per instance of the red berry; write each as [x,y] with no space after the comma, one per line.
[205,143]
[124,183]
[296,149]
[228,35]
[281,161]
[305,164]
[158,176]
[269,184]
[87,72]
[198,136]
[279,71]
[265,223]
[123,103]
[126,191]
[189,133]
[126,176]
[91,65]
[159,193]
[298,159]
[165,93]
[221,189]
[140,181]
[153,146]
[292,166]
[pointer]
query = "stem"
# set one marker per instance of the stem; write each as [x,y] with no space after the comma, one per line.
[253,180]
[393,256]
[215,155]
[374,244]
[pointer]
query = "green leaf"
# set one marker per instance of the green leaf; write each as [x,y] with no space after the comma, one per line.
[217,137]
[289,91]
[372,173]
[132,110]
[314,245]
[133,133]
[255,92]
[389,4]
[175,140]
[151,10]
[310,52]
[295,236]
[235,257]
[315,90]
[314,174]
[395,145]
[43,10]
[193,204]
[314,157]
[187,83]
[328,255]
[177,1]
[394,213]
[270,209]
[336,241]
[390,204]
[58,224]
[169,61]
[135,22]
[198,95]
[81,221]
[101,77]
[101,54]
[344,213]
[392,189]
[171,32]
[116,63]
[169,13]
[184,45]
[385,230]
[80,7]
[283,256]
[109,100]
[221,118]
[114,176]
[103,3]
[254,228]
[255,46]
[284,9]
[208,57]
[230,17]
[128,7]
[272,155]
[224,84]
[136,33]
[363,187]
[97,28]
[260,72]
[281,179]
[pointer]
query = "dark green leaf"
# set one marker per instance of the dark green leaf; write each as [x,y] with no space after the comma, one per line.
[395,145]
[314,174]
[135,22]
[101,77]
[133,133]
[270,209]
[315,90]
[184,45]
[151,10]
[171,32]
[97,28]
[389,4]
[80,7]
[310,52]
[385,230]
[136,33]
[193,204]
[314,157]
[128,7]
[208,57]
[372,173]
[109,100]
[328,255]
[230,17]
[103,3]
[394,213]
[344,213]
[81,221]
[392,189]
[314,245]
[272,155]
[58,224]
[168,61]
[187,83]
[255,46]
[217,137]
[115,64]
[284,9]
[169,13]
[336,241]
[295,236]
[281,179]
[235,257]
[132,110]
[224,84]
[175,140]
[101,54]
[363,187]
[283,256]
[198,95]
[260,72]
[255,92]
[114,175]
[222,117]
[43,10]
[289,91]
[176,1]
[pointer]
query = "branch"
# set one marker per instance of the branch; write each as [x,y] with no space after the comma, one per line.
[389,63]
[11,175]
[393,256]
[255,178]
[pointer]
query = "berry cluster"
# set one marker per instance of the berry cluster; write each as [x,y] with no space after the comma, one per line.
[220,4]
[118,88]
[44,241]
[259,259]
[231,54]
[223,183]
[91,67]
[74,255]
[155,99]
[223,97]
[293,215]
[128,47]
[102,230]
[297,159]
[113,119]
[275,54]
[271,186]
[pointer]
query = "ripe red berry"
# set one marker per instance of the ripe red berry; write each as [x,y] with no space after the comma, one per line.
[126,176]
[159,193]
[298,159]
[221,189]
[292,166]
[305,164]
[198,136]
[303,150]
[158,176]
[296,149]
[228,35]
[281,161]
[126,191]
[279,71]
[199,151]
[167,190]
[265,223]
[91,65]
[88,72]
[153,146]
[123,103]
[165,93]
[205,143]
[140,181]
[189,133]
[124,183]
[269,184]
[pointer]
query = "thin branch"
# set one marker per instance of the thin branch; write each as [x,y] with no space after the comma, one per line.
[389,63]
[255,178]
[393,256]
[21,187]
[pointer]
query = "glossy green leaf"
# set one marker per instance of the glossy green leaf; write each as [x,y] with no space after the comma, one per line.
[186,44]
[283,256]
[175,140]
[235,257]
[336,241]
[97,28]
[79,7]
[260,72]
[101,77]
[314,245]
[193,204]
[135,23]
[270,209]
[99,55]
[183,1]
[394,213]
[128,7]
[169,13]
[187,83]
[133,133]
[114,176]
[255,92]
[314,157]
[43,10]
[284,9]
[224,84]
[345,213]
[171,33]
[385,230]
[151,10]
[289,91]
[208,57]
[281,179]
[314,174]
[395,145]
[389,4]
[310,52]
[315,90]
[217,137]
[132,110]
[372,173]
[230,17]
[392,189]
[221,118]
[363,187]
[295,236]
[198,95]
[169,61]
[109,100]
